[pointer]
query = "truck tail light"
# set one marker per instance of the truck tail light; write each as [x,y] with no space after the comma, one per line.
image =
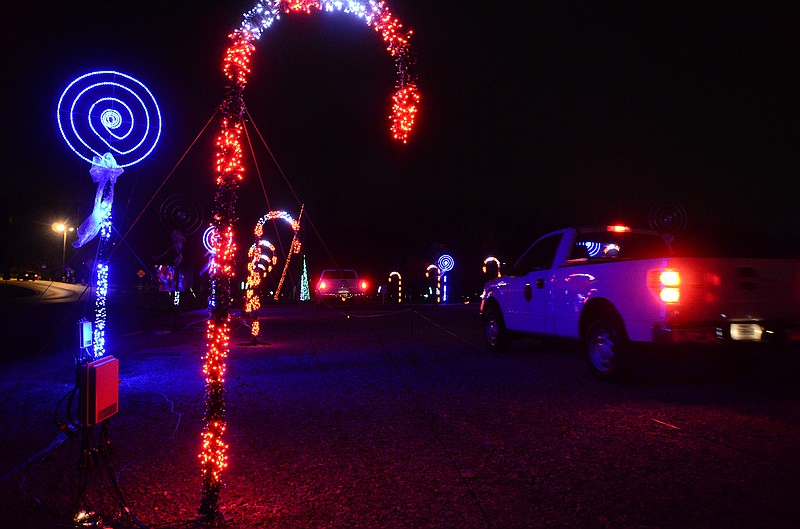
[666,284]
[363,285]
[323,285]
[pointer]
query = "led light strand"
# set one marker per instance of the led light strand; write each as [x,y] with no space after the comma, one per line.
[230,172]
[399,285]
[438,281]
[405,100]
[109,111]
[99,330]
[101,268]
[294,247]
[256,267]
[494,260]
[305,291]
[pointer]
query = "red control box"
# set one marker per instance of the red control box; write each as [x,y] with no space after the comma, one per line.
[98,386]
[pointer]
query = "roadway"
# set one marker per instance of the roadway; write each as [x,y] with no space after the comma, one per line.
[396,417]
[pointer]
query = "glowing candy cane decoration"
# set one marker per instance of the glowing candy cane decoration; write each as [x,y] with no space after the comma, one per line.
[105,116]
[438,280]
[255,269]
[229,173]
[405,100]
[295,244]
[399,285]
[494,260]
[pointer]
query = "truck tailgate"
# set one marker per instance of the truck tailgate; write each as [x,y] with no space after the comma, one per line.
[737,289]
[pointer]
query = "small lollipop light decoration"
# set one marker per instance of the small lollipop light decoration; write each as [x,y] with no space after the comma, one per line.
[445,264]
[112,121]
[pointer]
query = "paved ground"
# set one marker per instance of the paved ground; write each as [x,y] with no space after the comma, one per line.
[380,418]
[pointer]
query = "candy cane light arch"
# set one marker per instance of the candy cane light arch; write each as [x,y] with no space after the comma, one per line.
[229,173]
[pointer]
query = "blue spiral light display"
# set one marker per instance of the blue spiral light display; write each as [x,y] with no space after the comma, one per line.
[109,112]
[445,263]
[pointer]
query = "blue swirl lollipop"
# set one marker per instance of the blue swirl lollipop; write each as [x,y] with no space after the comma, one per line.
[109,112]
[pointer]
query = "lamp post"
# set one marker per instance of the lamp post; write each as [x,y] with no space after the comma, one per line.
[61,227]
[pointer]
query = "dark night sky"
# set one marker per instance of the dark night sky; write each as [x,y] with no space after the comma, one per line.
[536,116]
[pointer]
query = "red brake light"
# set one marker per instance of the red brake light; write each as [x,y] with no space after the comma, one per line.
[363,285]
[323,285]
[666,284]
[670,278]
[618,228]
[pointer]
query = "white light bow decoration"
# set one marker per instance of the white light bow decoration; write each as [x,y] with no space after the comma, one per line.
[104,173]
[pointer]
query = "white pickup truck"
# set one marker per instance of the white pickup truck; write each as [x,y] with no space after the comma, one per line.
[617,289]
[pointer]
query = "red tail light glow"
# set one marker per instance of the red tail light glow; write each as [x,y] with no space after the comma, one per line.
[618,228]
[666,284]
[363,285]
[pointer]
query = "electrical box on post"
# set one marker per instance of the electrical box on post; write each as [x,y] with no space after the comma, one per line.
[98,385]
[84,334]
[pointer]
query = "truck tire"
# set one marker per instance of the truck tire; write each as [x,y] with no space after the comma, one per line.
[495,334]
[607,352]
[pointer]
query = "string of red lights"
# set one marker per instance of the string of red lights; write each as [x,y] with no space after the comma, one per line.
[230,173]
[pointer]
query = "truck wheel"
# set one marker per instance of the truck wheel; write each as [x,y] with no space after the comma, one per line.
[495,334]
[608,357]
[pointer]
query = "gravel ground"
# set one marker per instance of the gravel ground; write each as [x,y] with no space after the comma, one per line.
[398,419]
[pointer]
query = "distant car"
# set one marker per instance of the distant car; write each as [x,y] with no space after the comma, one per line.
[340,285]
[29,275]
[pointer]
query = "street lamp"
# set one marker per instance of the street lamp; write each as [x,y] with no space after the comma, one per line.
[61,227]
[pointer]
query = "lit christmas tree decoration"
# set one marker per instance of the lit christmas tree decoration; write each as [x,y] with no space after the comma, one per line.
[305,292]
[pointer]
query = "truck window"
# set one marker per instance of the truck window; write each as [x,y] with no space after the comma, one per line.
[539,256]
[607,246]
[339,274]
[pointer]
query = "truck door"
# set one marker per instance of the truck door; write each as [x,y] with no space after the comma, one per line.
[528,290]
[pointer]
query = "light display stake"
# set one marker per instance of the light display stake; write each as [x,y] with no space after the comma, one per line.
[399,284]
[111,120]
[230,172]
[491,260]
